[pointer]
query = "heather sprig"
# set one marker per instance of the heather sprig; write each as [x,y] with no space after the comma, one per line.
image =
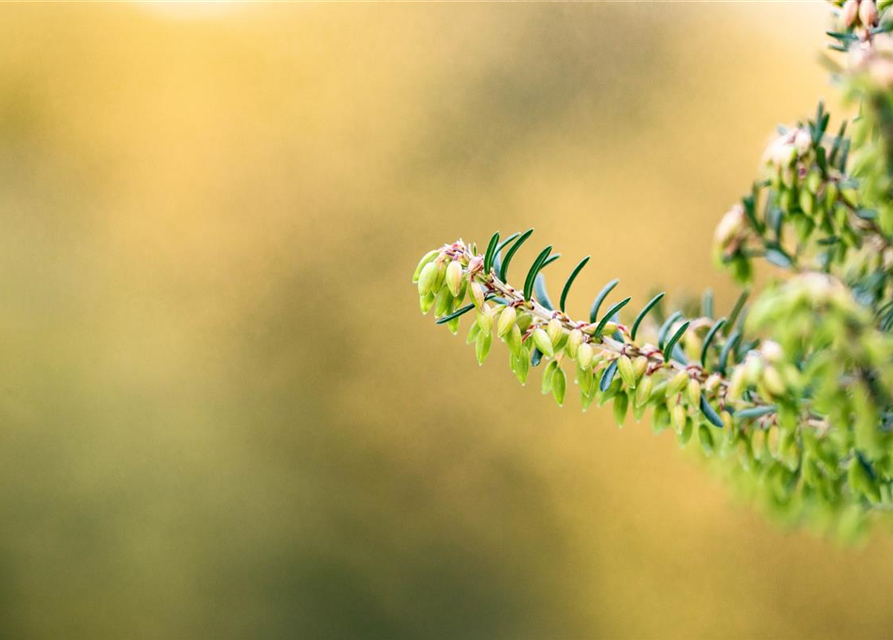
[792,394]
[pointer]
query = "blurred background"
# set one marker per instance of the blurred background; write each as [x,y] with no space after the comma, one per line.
[221,413]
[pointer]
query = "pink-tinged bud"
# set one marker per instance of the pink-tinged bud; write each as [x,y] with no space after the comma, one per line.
[868,13]
[730,225]
[454,277]
[881,71]
[849,12]
[475,264]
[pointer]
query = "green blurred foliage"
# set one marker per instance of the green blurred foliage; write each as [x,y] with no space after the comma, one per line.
[222,415]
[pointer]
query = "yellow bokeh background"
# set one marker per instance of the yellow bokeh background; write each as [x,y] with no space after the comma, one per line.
[221,414]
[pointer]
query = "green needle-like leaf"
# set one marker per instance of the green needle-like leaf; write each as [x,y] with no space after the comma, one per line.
[709,338]
[710,413]
[535,269]
[511,253]
[455,314]
[550,260]
[668,348]
[539,290]
[491,250]
[610,314]
[665,328]
[707,304]
[756,412]
[736,310]
[644,312]
[570,281]
[597,303]
[727,348]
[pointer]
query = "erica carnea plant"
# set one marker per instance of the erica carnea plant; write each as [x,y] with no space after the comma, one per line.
[792,393]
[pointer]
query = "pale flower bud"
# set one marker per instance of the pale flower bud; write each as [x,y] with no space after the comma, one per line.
[679,417]
[454,277]
[639,366]
[771,351]
[753,368]
[584,355]
[542,342]
[506,321]
[554,330]
[426,278]
[574,340]
[609,328]
[730,225]
[773,381]
[485,318]
[693,392]
[477,294]
[677,383]
[643,391]
[736,384]
[428,257]
[625,367]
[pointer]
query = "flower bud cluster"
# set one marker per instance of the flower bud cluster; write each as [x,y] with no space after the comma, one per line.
[805,208]
[606,364]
